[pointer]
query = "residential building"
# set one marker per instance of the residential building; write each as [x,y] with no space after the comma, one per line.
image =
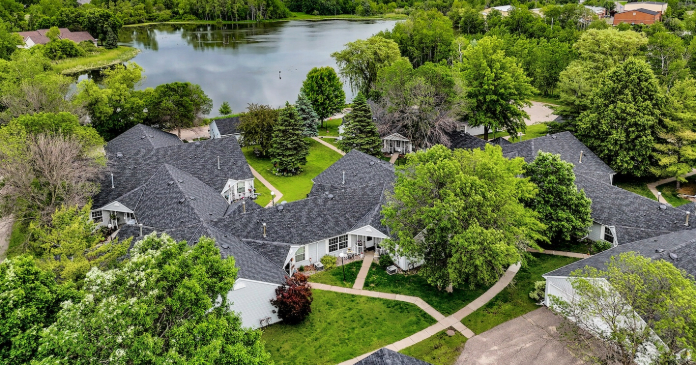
[597,10]
[396,143]
[503,9]
[647,5]
[226,127]
[34,37]
[637,16]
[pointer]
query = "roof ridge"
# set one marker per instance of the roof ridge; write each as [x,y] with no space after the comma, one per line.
[628,191]
[246,245]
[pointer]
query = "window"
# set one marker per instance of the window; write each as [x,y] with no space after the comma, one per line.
[300,254]
[97,215]
[608,236]
[338,243]
[240,187]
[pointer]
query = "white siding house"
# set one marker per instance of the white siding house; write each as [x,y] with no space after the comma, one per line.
[396,143]
[252,301]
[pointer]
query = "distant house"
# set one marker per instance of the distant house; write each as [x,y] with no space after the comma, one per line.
[396,143]
[226,127]
[637,16]
[647,5]
[503,9]
[598,10]
[34,37]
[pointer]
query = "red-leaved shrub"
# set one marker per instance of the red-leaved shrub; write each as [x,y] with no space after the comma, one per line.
[293,299]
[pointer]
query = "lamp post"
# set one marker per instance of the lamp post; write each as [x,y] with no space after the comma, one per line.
[273,198]
[343,255]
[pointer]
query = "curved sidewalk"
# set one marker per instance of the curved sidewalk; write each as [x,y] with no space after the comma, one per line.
[270,187]
[327,144]
[561,253]
[442,322]
[653,186]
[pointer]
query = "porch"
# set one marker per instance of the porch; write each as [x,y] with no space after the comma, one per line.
[396,143]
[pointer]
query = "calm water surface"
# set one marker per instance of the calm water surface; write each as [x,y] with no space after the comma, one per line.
[240,63]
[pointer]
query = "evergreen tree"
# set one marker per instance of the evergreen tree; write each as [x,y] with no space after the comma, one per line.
[225,109]
[360,132]
[308,116]
[288,147]
[111,39]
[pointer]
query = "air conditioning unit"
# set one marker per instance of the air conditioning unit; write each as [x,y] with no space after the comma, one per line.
[391,270]
[319,266]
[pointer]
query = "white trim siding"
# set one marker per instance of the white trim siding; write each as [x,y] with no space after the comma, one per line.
[252,301]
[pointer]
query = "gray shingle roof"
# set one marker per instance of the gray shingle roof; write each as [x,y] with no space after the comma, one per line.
[385,356]
[569,148]
[227,126]
[141,137]
[682,244]
[500,141]
[459,139]
[642,10]
[308,220]
[360,169]
[199,159]
[635,217]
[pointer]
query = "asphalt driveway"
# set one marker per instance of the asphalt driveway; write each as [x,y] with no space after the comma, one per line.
[530,339]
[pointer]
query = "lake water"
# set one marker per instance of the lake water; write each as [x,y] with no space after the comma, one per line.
[240,63]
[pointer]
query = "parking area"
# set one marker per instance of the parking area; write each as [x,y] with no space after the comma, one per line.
[529,339]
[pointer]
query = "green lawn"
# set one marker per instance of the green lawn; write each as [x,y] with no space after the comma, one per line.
[546,99]
[101,60]
[639,187]
[514,300]
[533,131]
[439,349]
[17,239]
[335,276]
[264,193]
[415,285]
[341,327]
[294,187]
[669,191]
[575,246]
[330,127]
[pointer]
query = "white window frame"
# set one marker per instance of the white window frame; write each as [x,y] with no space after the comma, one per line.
[97,215]
[300,254]
[241,185]
[340,242]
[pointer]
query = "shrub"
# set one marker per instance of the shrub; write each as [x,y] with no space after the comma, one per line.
[293,299]
[301,269]
[88,47]
[385,260]
[62,48]
[539,291]
[600,246]
[328,261]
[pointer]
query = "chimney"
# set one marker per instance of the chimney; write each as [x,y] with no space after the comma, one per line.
[344,177]
[218,162]
[264,230]
[580,156]
[687,218]
[243,206]
[112,180]
[141,228]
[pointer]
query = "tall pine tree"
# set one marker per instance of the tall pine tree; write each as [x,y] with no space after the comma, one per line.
[309,117]
[360,131]
[289,149]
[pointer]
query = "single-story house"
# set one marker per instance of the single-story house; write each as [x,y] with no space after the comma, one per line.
[647,5]
[148,170]
[598,10]
[637,16]
[678,248]
[34,37]
[385,356]
[226,127]
[396,143]
[503,9]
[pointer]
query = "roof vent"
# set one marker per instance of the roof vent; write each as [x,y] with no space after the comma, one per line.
[660,250]
[280,207]
[170,182]
[330,196]
[192,198]
[372,163]
[142,137]
[197,143]
[663,207]
[673,256]
[225,246]
[181,180]
[553,136]
[182,200]
[152,136]
[119,154]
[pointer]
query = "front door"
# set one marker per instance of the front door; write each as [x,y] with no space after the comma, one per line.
[369,242]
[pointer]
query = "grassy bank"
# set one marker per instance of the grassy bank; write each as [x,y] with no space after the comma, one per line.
[335,276]
[98,61]
[439,349]
[341,327]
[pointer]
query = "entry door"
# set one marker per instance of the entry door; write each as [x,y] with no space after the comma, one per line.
[369,242]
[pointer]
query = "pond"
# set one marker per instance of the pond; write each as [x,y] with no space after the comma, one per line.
[262,63]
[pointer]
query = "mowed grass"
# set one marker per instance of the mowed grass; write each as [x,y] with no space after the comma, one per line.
[341,327]
[330,127]
[416,285]
[514,300]
[671,195]
[294,187]
[638,187]
[104,59]
[264,193]
[335,276]
[439,349]
[533,131]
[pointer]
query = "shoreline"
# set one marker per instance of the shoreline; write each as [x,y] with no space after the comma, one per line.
[74,66]
[301,17]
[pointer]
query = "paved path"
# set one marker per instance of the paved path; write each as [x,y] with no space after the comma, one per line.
[653,186]
[364,269]
[561,253]
[442,321]
[270,187]
[327,144]
[5,232]
[393,158]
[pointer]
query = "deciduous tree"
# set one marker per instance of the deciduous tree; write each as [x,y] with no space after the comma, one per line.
[360,61]
[256,125]
[324,90]
[8,41]
[461,213]
[178,105]
[425,36]
[562,208]
[289,149]
[294,299]
[360,131]
[621,123]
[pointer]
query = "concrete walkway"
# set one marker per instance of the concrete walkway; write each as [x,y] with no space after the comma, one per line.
[561,253]
[393,158]
[653,186]
[364,269]
[327,144]
[6,224]
[443,322]
[270,187]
